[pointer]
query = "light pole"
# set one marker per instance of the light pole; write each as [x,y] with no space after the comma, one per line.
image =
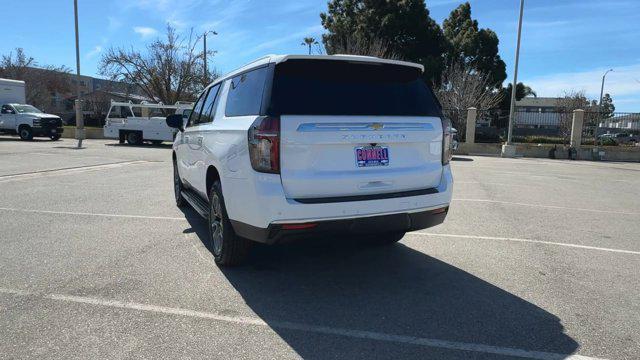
[515,77]
[601,117]
[206,74]
[78,103]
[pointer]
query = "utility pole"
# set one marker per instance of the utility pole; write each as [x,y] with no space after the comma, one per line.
[515,77]
[206,73]
[78,103]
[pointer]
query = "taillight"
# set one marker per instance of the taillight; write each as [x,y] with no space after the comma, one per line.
[447,137]
[264,144]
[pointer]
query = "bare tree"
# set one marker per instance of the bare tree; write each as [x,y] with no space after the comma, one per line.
[462,87]
[169,70]
[357,46]
[570,101]
[40,81]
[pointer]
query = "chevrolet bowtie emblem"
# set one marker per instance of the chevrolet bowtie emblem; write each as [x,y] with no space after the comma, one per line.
[376,126]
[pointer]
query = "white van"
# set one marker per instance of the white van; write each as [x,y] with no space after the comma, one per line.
[292,146]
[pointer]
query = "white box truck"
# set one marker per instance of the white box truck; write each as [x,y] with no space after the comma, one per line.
[17,117]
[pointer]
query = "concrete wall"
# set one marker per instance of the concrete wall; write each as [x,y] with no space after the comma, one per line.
[90,133]
[607,153]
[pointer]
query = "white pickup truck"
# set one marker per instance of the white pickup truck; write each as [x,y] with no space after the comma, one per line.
[137,123]
[16,117]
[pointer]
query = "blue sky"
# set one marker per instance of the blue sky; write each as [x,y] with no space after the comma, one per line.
[566,44]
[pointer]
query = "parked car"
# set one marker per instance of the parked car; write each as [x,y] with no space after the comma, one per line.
[293,146]
[27,121]
[137,123]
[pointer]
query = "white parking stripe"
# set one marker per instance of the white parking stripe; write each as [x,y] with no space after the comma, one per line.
[326,330]
[527,241]
[94,214]
[70,170]
[549,206]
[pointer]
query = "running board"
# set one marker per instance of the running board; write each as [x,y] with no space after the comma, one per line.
[198,204]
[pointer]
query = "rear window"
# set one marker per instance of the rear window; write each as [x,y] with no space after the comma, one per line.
[329,87]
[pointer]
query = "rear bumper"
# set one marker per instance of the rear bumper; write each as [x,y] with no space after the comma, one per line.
[401,222]
[259,201]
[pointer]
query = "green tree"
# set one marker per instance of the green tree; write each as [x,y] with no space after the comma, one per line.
[404,27]
[309,41]
[607,108]
[469,44]
[522,91]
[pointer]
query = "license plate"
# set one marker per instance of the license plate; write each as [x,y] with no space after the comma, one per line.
[372,156]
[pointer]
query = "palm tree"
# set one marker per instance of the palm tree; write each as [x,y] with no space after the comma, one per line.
[309,41]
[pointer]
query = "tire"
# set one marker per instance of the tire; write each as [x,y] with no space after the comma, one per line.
[55,137]
[25,133]
[134,138]
[228,248]
[385,239]
[177,187]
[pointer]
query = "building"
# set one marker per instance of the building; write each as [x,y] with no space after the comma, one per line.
[538,112]
[97,93]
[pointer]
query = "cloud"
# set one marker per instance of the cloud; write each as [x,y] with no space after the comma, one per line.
[95,51]
[272,45]
[622,83]
[145,32]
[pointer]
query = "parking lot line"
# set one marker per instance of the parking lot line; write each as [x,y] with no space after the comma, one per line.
[325,330]
[94,214]
[548,206]
[69,170]
[527,241]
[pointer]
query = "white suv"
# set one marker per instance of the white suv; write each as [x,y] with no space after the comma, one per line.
[291,146]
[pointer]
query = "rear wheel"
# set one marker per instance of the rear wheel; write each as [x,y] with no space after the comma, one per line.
[25,132]
[55,137]
[134,138]
[228,248]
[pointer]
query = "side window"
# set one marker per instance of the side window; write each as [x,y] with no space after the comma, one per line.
[197,110]
[6,109]
[209,104]
[245,93]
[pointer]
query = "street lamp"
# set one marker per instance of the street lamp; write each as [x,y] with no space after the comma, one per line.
[602,87]
[79,118]
[206,74]
[595,130]
[515,77]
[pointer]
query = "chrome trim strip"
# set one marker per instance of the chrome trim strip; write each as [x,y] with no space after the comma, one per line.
[372,126]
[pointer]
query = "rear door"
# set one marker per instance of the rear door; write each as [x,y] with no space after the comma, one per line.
[351,129]
[186,161]
[199,129]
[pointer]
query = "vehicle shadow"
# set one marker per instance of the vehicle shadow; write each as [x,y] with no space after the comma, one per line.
[394,290]
[166,145]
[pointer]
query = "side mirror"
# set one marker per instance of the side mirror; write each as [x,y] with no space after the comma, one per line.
[175,121]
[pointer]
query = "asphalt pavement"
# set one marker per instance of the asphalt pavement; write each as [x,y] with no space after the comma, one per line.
[537,259]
